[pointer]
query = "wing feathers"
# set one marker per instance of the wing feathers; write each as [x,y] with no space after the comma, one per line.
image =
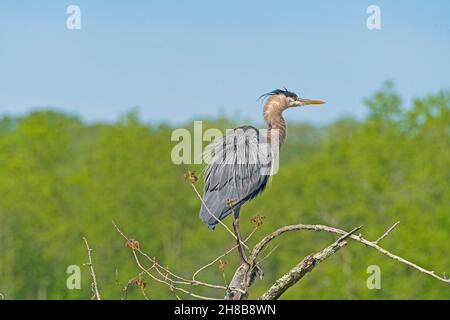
[234,172]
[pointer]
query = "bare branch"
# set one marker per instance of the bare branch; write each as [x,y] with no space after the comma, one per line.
[223,255]
[171,286]
[130,282]
[244,277]
[165,273]
[159,267]
[387,233]
[359,238]
[265,241]
[268,254]
[125,289]
[92,272]
[212,215]
[245,274]
[305,266]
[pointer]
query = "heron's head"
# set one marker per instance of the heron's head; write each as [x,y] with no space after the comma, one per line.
[282,99]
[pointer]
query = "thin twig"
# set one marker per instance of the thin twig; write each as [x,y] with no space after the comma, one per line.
[136,258]
[386,233]
[212,215]
[268,254]
[130,282]
[158,268]
[125,289]
[222,255]
[92,272]
[144,294]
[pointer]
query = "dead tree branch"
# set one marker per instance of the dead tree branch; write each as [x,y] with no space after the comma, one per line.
[164,275]
[92,272]
[272,293]
[245,275]
[386,233]
[211,214]
[305,266]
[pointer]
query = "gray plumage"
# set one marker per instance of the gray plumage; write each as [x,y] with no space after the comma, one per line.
[238,170]
[240,162]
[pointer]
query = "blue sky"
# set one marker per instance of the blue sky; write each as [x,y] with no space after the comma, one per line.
[183,60]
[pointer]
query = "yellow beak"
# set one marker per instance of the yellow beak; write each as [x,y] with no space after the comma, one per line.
[308,101]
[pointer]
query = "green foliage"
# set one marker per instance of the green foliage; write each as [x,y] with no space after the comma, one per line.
[61,179]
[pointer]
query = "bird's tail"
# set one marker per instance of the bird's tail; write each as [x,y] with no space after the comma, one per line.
[208,217]
[213,209]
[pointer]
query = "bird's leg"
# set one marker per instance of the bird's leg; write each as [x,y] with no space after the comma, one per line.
[237,231]
[240,244]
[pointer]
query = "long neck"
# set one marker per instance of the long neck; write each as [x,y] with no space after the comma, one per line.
[275,121]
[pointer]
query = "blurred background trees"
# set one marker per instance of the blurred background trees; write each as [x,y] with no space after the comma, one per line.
[61,179]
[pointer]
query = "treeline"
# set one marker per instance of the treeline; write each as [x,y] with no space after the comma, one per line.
[62,179]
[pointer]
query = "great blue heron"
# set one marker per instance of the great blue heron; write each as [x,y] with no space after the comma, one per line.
[240,162]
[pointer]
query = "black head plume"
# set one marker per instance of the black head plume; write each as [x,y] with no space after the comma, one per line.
[286,92]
